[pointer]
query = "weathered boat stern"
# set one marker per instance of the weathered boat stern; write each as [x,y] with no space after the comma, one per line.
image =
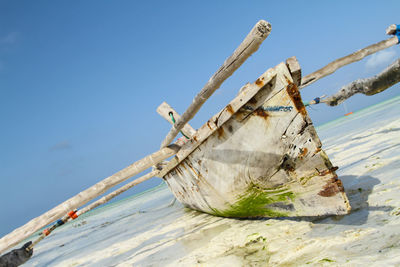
[259,157]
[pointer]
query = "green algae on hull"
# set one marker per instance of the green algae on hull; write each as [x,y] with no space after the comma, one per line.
[256,202]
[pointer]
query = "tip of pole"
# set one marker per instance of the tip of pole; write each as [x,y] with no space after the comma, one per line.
[263,27]
[391,30]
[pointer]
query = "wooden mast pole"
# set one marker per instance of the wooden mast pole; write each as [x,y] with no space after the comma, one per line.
[249,45]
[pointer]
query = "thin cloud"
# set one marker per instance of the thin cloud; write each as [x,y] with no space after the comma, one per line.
[381,59]
[10,38]
[64,145]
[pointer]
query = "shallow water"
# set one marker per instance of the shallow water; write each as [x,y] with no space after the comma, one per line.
[146,230]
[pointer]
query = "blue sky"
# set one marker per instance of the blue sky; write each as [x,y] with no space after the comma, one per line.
[80,80]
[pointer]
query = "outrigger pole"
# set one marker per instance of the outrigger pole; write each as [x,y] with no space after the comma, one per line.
[343,61]
[168,113]
[368,86]
[249,45]
[72,215]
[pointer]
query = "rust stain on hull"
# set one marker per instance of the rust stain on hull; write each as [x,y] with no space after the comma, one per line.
[208,125]
[260,81]
[332,187]
[294,94]
[220,132]
[328,171]
[230,109]
[317,151]
[261,113]
[303,153]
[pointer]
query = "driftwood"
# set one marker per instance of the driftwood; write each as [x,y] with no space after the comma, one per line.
[249,45]
[369,86]
[85,196]
[338,63]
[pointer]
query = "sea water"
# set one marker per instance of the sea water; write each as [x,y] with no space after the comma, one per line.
[150,229]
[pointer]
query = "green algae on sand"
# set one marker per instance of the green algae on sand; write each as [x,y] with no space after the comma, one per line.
[257,202]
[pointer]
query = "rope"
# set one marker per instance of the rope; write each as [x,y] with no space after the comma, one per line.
[397,33]
[315,101]
[171,114]
[71,215]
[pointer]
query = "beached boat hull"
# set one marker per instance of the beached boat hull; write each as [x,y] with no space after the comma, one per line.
[259,157]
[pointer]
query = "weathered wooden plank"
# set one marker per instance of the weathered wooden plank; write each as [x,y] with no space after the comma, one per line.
[295,70]
[165,109]
[85,196]
[343,61]
[245,94]
[249,45]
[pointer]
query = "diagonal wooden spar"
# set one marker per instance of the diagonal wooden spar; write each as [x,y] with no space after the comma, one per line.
[343,61]
[249,45]
[85,196]
[164,110]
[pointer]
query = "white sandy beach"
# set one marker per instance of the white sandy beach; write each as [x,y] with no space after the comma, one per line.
[145,230]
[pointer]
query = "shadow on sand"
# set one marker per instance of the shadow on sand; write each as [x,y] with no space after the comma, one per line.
[358,189]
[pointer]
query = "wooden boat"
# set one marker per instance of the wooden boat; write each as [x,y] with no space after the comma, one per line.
[258,157]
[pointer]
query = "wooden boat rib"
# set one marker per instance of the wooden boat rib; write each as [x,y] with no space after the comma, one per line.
[258,157]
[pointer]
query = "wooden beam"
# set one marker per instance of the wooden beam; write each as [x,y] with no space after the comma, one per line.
[338,63]
[158,156]
[97,203]
[369,86]
[117,192]
[249,45]
[85,196]
[295,70]
[164,110]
